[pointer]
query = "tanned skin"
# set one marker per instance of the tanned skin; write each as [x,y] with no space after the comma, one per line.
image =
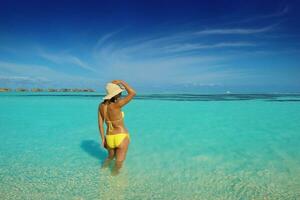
[114,113]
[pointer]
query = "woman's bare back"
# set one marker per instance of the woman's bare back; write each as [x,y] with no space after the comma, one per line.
[114,114]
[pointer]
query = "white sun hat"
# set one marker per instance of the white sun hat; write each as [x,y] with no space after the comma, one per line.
[112,90]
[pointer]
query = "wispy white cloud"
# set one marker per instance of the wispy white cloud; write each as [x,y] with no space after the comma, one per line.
[279,13]
[190,47]
[160,48]
[235,30]
[105,38]
[40,74]
[285,10]
[166,58]
[64,58]
[267,17]
[149,63]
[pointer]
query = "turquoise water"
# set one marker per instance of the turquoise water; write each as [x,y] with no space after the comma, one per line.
[182,147]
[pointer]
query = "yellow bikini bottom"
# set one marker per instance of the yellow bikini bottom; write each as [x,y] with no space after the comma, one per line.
[114,140]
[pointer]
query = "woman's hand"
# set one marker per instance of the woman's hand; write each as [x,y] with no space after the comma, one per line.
[117,81]
[104,145]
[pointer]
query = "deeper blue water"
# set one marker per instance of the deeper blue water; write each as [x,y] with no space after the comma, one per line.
[183,146]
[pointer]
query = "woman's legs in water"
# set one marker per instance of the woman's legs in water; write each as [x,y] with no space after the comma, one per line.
[121,151]
[110,157]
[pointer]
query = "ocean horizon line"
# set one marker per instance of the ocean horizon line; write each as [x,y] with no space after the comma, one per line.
[272,97]
[150,93]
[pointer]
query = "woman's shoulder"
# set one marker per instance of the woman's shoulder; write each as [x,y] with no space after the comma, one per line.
[100,105]
[109,105]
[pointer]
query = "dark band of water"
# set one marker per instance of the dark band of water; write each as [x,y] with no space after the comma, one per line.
[183,97]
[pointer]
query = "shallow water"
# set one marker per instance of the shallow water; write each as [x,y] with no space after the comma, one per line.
[184,146]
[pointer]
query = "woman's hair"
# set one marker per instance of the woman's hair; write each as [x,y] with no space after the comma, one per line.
[113,99]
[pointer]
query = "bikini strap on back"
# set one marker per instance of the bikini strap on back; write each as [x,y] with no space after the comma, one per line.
[105,111]
[110,124]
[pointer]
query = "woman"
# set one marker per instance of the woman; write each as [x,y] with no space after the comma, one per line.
[117,137]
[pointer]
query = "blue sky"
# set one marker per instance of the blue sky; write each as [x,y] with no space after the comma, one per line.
[156,46]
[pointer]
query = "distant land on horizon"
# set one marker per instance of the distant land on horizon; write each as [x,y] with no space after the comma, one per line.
[145,92]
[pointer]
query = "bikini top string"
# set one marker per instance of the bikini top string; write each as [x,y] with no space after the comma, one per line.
[109,122]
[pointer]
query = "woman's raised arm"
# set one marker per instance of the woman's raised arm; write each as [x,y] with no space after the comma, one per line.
[131,93]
